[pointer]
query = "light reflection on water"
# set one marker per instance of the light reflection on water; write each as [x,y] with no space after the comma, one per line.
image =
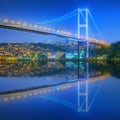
[66,85]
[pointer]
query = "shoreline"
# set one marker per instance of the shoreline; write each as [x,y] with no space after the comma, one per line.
[74,60]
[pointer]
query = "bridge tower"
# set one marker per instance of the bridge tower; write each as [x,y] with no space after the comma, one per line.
[83,93]
[82,97]
[83,16]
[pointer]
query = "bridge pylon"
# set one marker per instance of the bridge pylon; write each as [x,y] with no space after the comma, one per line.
[83,90]
[83,24]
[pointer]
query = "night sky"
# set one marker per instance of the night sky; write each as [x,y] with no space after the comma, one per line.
[106,14]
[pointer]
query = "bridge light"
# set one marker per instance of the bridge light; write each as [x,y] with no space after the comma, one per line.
[35,93]
[68,33]
[18,96]
[45,28]
[30,94]
[58,88]
[45,91]
[49,90]
[62,31]
[40,92]
[12,98]
[65,32]
[58,30]
[5,98]
[39,27]
[35,26]
[49,28]
[82,37]
[75,35]
[53,89]
[24,95]
[18,23]
[24,24]
[53,30]
[91,39]
[5,20]
[30,25]
[12,22]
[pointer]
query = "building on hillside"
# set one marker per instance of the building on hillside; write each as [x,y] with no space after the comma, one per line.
[60,55]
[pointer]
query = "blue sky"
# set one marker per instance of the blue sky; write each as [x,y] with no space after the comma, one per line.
[106,14]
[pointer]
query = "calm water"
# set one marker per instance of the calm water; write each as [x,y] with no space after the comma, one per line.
[59,91]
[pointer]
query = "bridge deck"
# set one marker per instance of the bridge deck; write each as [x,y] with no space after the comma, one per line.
[16,27]
[45,32]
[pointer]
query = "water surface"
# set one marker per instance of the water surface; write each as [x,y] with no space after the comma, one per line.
[59,91]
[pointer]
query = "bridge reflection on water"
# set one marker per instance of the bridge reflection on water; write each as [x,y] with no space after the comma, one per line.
[51,77]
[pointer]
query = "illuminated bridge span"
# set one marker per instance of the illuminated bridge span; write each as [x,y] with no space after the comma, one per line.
[82,14]
[44,30]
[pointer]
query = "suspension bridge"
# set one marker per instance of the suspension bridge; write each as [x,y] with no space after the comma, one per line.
[83,18]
